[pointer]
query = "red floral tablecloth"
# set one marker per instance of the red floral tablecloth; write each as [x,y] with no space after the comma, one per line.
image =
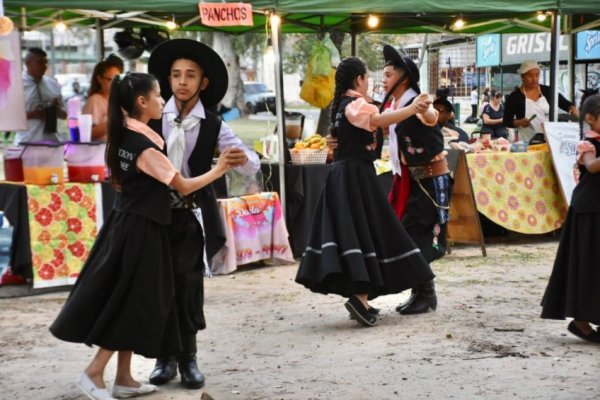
[62,225]
[518,191]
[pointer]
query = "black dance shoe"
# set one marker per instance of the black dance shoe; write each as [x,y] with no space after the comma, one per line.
[371,310]
[191,377]
[422,300]
[164,370]
[593,336]
[356,308]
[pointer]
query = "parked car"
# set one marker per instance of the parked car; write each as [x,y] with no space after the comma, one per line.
[258,97]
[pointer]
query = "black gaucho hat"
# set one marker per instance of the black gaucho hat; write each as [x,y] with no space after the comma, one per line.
[166,53]
[393,56]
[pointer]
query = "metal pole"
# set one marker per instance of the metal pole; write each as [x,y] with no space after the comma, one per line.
[279,104]
[99,41]
[571,59]
[52,52]
[554,48]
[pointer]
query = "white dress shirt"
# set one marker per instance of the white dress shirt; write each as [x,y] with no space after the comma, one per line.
[225,139]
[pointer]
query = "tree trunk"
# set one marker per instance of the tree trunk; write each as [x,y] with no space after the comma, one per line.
[324,117]
[223,45]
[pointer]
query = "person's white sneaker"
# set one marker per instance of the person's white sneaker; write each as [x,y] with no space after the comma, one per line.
[91,390]
[122,392]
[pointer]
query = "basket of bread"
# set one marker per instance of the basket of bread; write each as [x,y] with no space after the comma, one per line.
[312,150]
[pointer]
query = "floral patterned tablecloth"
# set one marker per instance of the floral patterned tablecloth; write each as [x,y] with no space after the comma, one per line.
[255,230]
[518,191]
[62,225]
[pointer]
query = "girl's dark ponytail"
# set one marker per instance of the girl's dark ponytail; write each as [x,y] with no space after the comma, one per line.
[115,130]
[347,71]
[122,102]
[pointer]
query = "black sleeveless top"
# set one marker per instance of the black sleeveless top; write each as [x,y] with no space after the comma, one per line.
[587,192]
[418,142]
[353,143]
[140,193]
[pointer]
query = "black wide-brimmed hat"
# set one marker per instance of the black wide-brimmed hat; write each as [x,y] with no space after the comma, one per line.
[391,55]
[166,53]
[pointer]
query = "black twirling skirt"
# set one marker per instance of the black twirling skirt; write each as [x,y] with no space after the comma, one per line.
[574,287]
[124,298]
[357,245]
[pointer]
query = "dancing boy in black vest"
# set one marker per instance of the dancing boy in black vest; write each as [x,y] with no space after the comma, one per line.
[193,78]
[421,194]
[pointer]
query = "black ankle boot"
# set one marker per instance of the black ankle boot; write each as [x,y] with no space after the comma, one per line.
[164,370]
[424,299]
[191,377]
[410,299]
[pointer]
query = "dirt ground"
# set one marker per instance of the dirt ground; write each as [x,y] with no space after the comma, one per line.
[269,338]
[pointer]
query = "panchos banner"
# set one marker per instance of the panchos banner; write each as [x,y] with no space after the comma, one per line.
[226,14]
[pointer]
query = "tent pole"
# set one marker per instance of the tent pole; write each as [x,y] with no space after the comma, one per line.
[99,41]
[572,79]
[554,55]
[279,105]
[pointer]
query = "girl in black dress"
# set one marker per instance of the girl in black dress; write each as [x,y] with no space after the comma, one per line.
[123,299]
[573,287]
[357,247]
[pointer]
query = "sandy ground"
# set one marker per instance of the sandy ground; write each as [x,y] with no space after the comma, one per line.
[269,338]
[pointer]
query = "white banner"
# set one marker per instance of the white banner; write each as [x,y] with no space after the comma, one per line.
[562,138]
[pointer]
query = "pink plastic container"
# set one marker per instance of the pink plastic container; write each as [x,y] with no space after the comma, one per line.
[85,161]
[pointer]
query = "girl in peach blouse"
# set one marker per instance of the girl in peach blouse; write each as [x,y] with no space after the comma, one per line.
[124,298]
[357,247]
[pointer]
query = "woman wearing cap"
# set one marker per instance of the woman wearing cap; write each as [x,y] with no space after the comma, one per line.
[527,108]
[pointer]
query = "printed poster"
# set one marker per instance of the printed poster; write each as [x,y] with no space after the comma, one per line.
[12,101]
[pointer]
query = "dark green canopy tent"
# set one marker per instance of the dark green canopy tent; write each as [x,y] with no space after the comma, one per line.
[408,16]
[350,16]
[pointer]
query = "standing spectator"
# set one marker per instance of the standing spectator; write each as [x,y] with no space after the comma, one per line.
[492,116]
[474,104]
[572,290]
[43,102]
[527,107]
[97,102]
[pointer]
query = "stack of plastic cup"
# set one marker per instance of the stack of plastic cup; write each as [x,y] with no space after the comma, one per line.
[73,111]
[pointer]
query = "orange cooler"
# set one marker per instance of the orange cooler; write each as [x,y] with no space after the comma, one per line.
[43,163]
[85,161]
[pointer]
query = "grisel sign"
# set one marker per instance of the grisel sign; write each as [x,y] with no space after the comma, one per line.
[225,14]
[517,48]
[588,45]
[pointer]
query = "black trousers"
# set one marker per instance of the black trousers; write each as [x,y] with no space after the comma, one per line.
[187,244]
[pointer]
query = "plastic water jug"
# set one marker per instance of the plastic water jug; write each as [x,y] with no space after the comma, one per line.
[43,163]
[13,164]
[85,161]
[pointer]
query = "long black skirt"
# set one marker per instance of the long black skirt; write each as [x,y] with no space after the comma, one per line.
[124,298]
[574,287]
[356,244]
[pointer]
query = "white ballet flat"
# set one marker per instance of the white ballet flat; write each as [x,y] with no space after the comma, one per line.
[122,392]
[91,390]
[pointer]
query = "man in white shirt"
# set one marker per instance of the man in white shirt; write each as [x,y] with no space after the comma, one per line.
[43,102]
[193,78]
[474,104]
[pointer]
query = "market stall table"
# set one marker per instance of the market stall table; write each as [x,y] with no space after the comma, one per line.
[255,230]
[54,228]
[518,191]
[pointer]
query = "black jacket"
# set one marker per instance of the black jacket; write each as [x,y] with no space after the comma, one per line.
[515,105]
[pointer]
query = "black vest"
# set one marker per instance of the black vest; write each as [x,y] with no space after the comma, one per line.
[418,142]
[200,162]
[353,142]
[587,192]
[140,193]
